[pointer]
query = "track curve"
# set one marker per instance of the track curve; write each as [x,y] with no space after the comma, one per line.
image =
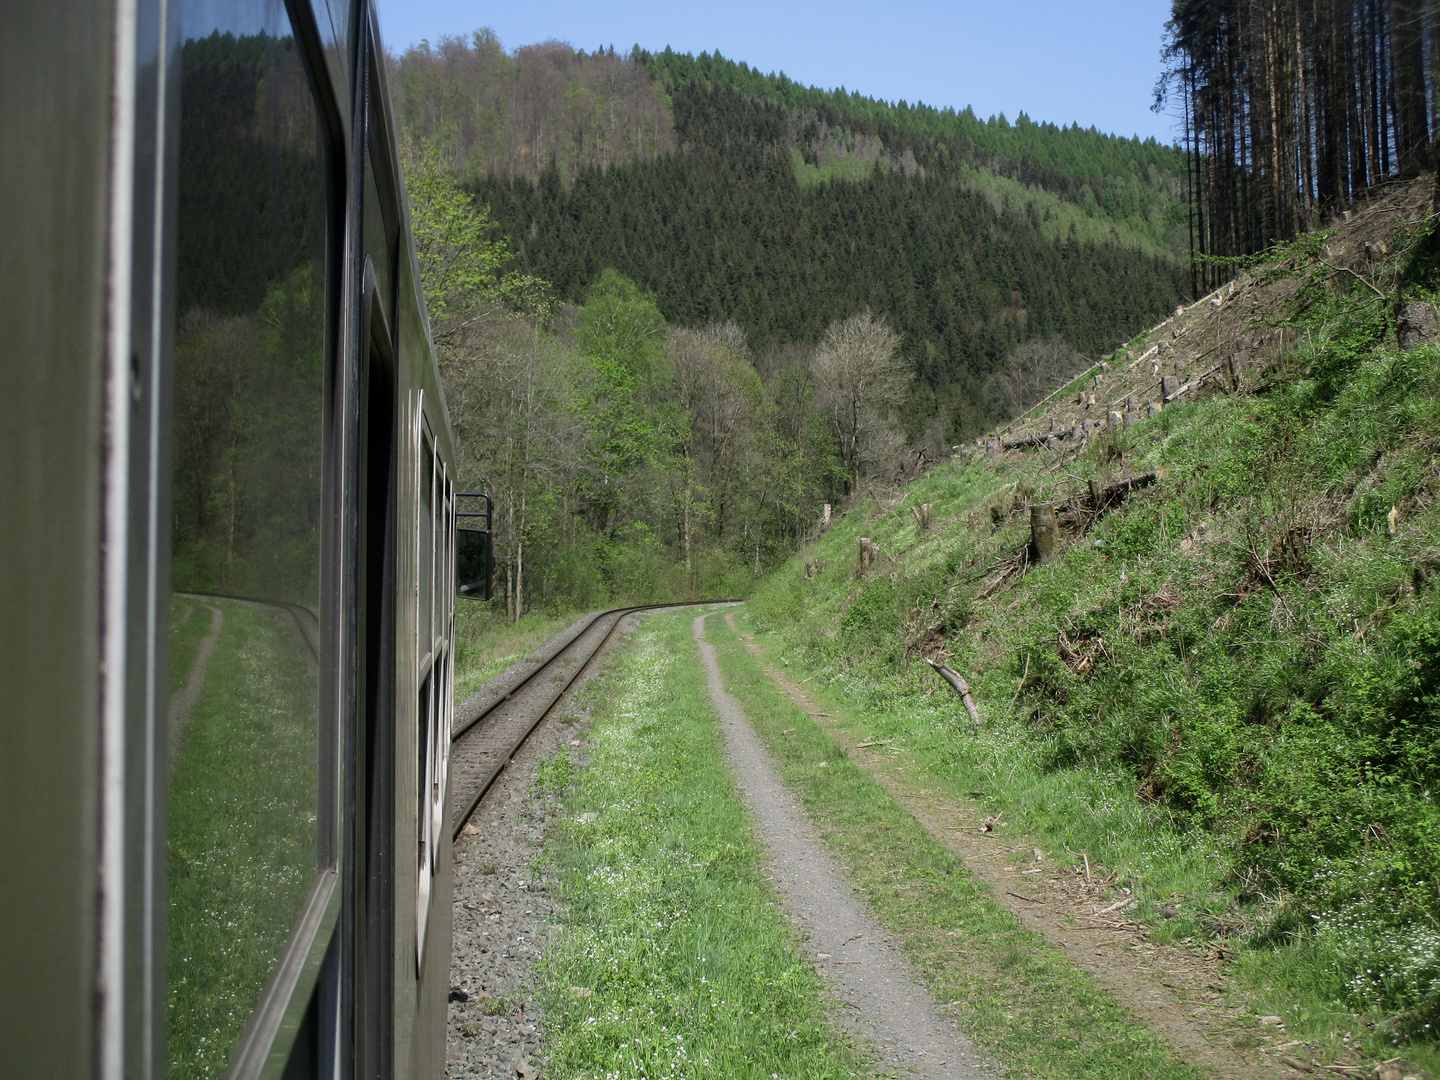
[495,728]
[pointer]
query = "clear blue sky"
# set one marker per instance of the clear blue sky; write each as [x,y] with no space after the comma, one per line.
[1095,63]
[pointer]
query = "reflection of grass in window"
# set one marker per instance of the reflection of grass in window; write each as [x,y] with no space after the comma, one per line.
[186,633]
[242,830]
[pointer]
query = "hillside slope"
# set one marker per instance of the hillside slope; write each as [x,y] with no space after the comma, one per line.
[1224,683]
[732,196]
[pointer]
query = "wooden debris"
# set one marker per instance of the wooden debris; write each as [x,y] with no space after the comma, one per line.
[961,687]
[1103,495]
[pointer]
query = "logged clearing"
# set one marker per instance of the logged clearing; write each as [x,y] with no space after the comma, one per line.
[1161,659]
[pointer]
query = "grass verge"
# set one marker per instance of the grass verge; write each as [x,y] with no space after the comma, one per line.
[487,642]
[1015,995]
[674,960]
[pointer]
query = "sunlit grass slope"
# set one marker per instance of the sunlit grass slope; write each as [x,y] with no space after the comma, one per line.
[1226,688]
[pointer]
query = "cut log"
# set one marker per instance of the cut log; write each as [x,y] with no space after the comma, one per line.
[1102,495]
[960,686]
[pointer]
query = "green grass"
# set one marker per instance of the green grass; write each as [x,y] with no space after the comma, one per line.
[487,643]
[242,837]
[1013,994]
[674,959]
[1259,731]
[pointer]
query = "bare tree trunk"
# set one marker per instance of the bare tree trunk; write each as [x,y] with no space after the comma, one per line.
[520,563]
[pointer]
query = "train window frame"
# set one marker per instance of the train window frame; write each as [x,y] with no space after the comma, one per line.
[270,1034]
[431,652]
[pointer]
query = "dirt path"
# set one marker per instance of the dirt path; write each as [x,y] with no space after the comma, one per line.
[859,958]
[1174,990]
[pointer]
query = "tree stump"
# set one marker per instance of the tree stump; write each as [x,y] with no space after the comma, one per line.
[1044,532]
[921,514]
[1169,387]
[867,554]
[1416,325]
[1116,420]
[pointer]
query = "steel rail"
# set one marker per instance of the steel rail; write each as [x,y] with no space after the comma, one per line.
[458,825]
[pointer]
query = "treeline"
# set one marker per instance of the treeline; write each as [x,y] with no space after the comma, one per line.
[628,458]
[494,113]
[1292,108]
[723,231]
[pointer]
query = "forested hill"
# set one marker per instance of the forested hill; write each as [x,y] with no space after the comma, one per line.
[780,207]
[1126,180]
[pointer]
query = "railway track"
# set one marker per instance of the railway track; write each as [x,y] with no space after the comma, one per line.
[491,726]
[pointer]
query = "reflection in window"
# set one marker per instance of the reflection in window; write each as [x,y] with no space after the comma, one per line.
[245,631]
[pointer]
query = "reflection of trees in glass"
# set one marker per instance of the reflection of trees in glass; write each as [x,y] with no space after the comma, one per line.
[247,442]
[250,207]
[248,370]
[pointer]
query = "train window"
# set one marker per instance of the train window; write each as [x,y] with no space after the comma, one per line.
[424,834]
[474,551]
[427,546]
[247,633]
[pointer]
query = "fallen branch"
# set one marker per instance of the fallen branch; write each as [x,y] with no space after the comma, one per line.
[873,742]
[1125,902]
[1027,899]
[961,687]
[1023,677]
[1358,277]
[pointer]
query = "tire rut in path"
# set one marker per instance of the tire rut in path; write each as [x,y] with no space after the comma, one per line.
[859,959]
